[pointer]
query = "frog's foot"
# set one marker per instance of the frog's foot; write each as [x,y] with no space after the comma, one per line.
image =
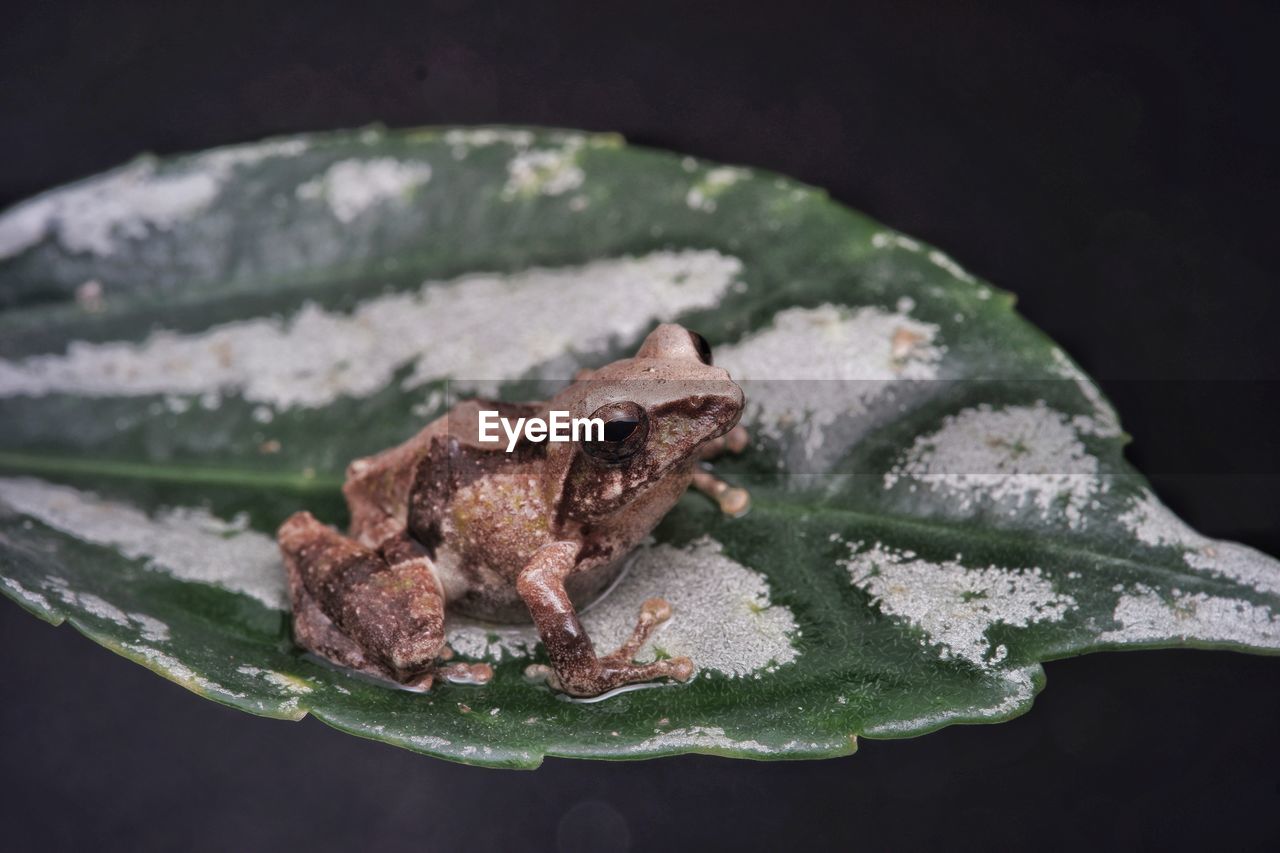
[315,632]
[453,673]
[380,612]
[575,668]
[653,613]
[611,678]
[733,500]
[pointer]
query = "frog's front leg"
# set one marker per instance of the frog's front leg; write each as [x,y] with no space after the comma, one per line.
[733,500]
[379,611]
[575,667]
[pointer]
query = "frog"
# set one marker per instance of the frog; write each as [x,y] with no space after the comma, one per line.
[447,524]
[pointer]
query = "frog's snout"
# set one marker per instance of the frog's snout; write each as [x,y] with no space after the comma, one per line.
[736,399]
[724,405]
[739,397]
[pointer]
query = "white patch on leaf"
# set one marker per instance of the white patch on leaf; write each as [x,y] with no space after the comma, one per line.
[722,617]
[545,171]
[813,366]
[221,161]
[30,596]
[175,670]
[462,140]
[130,202]
[1020,457]
[702,195]
[1104,422]
[90,217]
[147,627]
[481,640]
[892,239]
[288,683]
[1144,615]
[701,737]
[1154,524]
[351,187]
[1019,689]
[188,544]
[955,605]
[478,327]
[944,261]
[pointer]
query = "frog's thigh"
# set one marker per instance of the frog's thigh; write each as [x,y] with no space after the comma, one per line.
[576,669]
[316,633]
[393,612]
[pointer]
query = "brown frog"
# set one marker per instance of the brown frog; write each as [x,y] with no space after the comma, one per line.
[447,521]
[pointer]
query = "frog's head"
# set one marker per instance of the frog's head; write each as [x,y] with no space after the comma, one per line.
[658,410]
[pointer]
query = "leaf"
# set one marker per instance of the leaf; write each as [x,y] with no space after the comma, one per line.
[192,348]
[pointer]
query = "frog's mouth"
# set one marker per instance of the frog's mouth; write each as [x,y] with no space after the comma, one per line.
[705,417]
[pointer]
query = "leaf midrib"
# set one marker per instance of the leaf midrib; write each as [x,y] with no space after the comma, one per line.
[299,482]
[221,476]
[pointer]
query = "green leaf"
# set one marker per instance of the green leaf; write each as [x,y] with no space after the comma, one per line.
[193,348]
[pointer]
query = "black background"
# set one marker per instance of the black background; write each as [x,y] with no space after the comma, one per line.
[1114,164]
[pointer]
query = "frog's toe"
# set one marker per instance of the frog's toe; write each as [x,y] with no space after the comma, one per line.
[653,613]
[681,668]
[734,501]
[421,683]
[466,673]
[655,610]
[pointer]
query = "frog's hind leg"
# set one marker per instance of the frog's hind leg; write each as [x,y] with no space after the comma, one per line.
[575,667]
[316,633]
[378,611]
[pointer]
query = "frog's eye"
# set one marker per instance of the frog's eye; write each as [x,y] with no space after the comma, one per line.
[626,425]
[701,345]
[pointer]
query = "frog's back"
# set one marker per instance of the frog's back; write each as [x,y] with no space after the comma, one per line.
[378,487]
